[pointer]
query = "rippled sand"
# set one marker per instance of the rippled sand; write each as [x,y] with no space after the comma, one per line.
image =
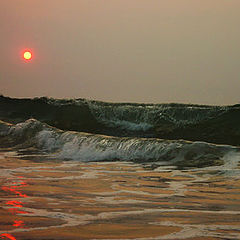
[43,198]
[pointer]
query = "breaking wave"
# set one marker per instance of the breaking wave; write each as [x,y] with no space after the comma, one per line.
[152,114]
[93,147]
[216,124]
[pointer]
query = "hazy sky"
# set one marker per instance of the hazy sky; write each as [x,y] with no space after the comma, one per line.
[122,50]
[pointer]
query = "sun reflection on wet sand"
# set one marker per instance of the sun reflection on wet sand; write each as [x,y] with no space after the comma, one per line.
[7,236]
[15,203]
[18,223]
[14,186]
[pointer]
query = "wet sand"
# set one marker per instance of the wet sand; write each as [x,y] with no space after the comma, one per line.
[43,198]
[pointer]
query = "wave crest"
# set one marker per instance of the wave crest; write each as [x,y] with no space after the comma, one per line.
[93,147]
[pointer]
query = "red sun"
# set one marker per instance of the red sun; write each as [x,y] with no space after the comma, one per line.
[27,55]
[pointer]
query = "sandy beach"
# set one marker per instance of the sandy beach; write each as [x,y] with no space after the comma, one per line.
[44,198]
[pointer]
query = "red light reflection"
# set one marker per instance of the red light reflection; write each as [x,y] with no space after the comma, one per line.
[19,184]
[17,223]
[7,236]
[15,188]
[15,203]
[17,211]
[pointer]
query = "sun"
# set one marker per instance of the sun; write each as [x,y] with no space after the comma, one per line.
[27,55]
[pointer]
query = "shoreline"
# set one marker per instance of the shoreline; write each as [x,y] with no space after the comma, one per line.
[116,200]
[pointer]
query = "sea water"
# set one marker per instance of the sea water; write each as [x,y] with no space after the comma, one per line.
[43,197]
[127,184]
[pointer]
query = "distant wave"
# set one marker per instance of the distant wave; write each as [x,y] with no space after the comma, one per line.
[153,114]
[93,147]
[216,124]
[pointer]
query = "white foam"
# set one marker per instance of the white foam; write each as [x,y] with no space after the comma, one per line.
[90,147]
[93,147]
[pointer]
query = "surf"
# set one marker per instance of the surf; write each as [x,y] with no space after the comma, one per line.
[215,124]
[81,146]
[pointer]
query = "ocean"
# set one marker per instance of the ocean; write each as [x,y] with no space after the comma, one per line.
[83,169]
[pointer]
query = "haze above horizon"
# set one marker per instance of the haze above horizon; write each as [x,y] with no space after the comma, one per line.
[122,51]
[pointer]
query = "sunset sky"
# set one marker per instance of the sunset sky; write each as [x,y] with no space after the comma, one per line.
[122,50]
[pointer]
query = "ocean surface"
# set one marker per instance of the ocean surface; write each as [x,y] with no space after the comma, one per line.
[81,169]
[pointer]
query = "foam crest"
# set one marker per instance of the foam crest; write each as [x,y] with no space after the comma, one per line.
[93,147]
[142,117]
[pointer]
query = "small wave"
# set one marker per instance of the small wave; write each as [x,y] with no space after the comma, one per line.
[92,147]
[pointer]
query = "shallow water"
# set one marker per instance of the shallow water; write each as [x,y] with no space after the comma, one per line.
[42,198]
